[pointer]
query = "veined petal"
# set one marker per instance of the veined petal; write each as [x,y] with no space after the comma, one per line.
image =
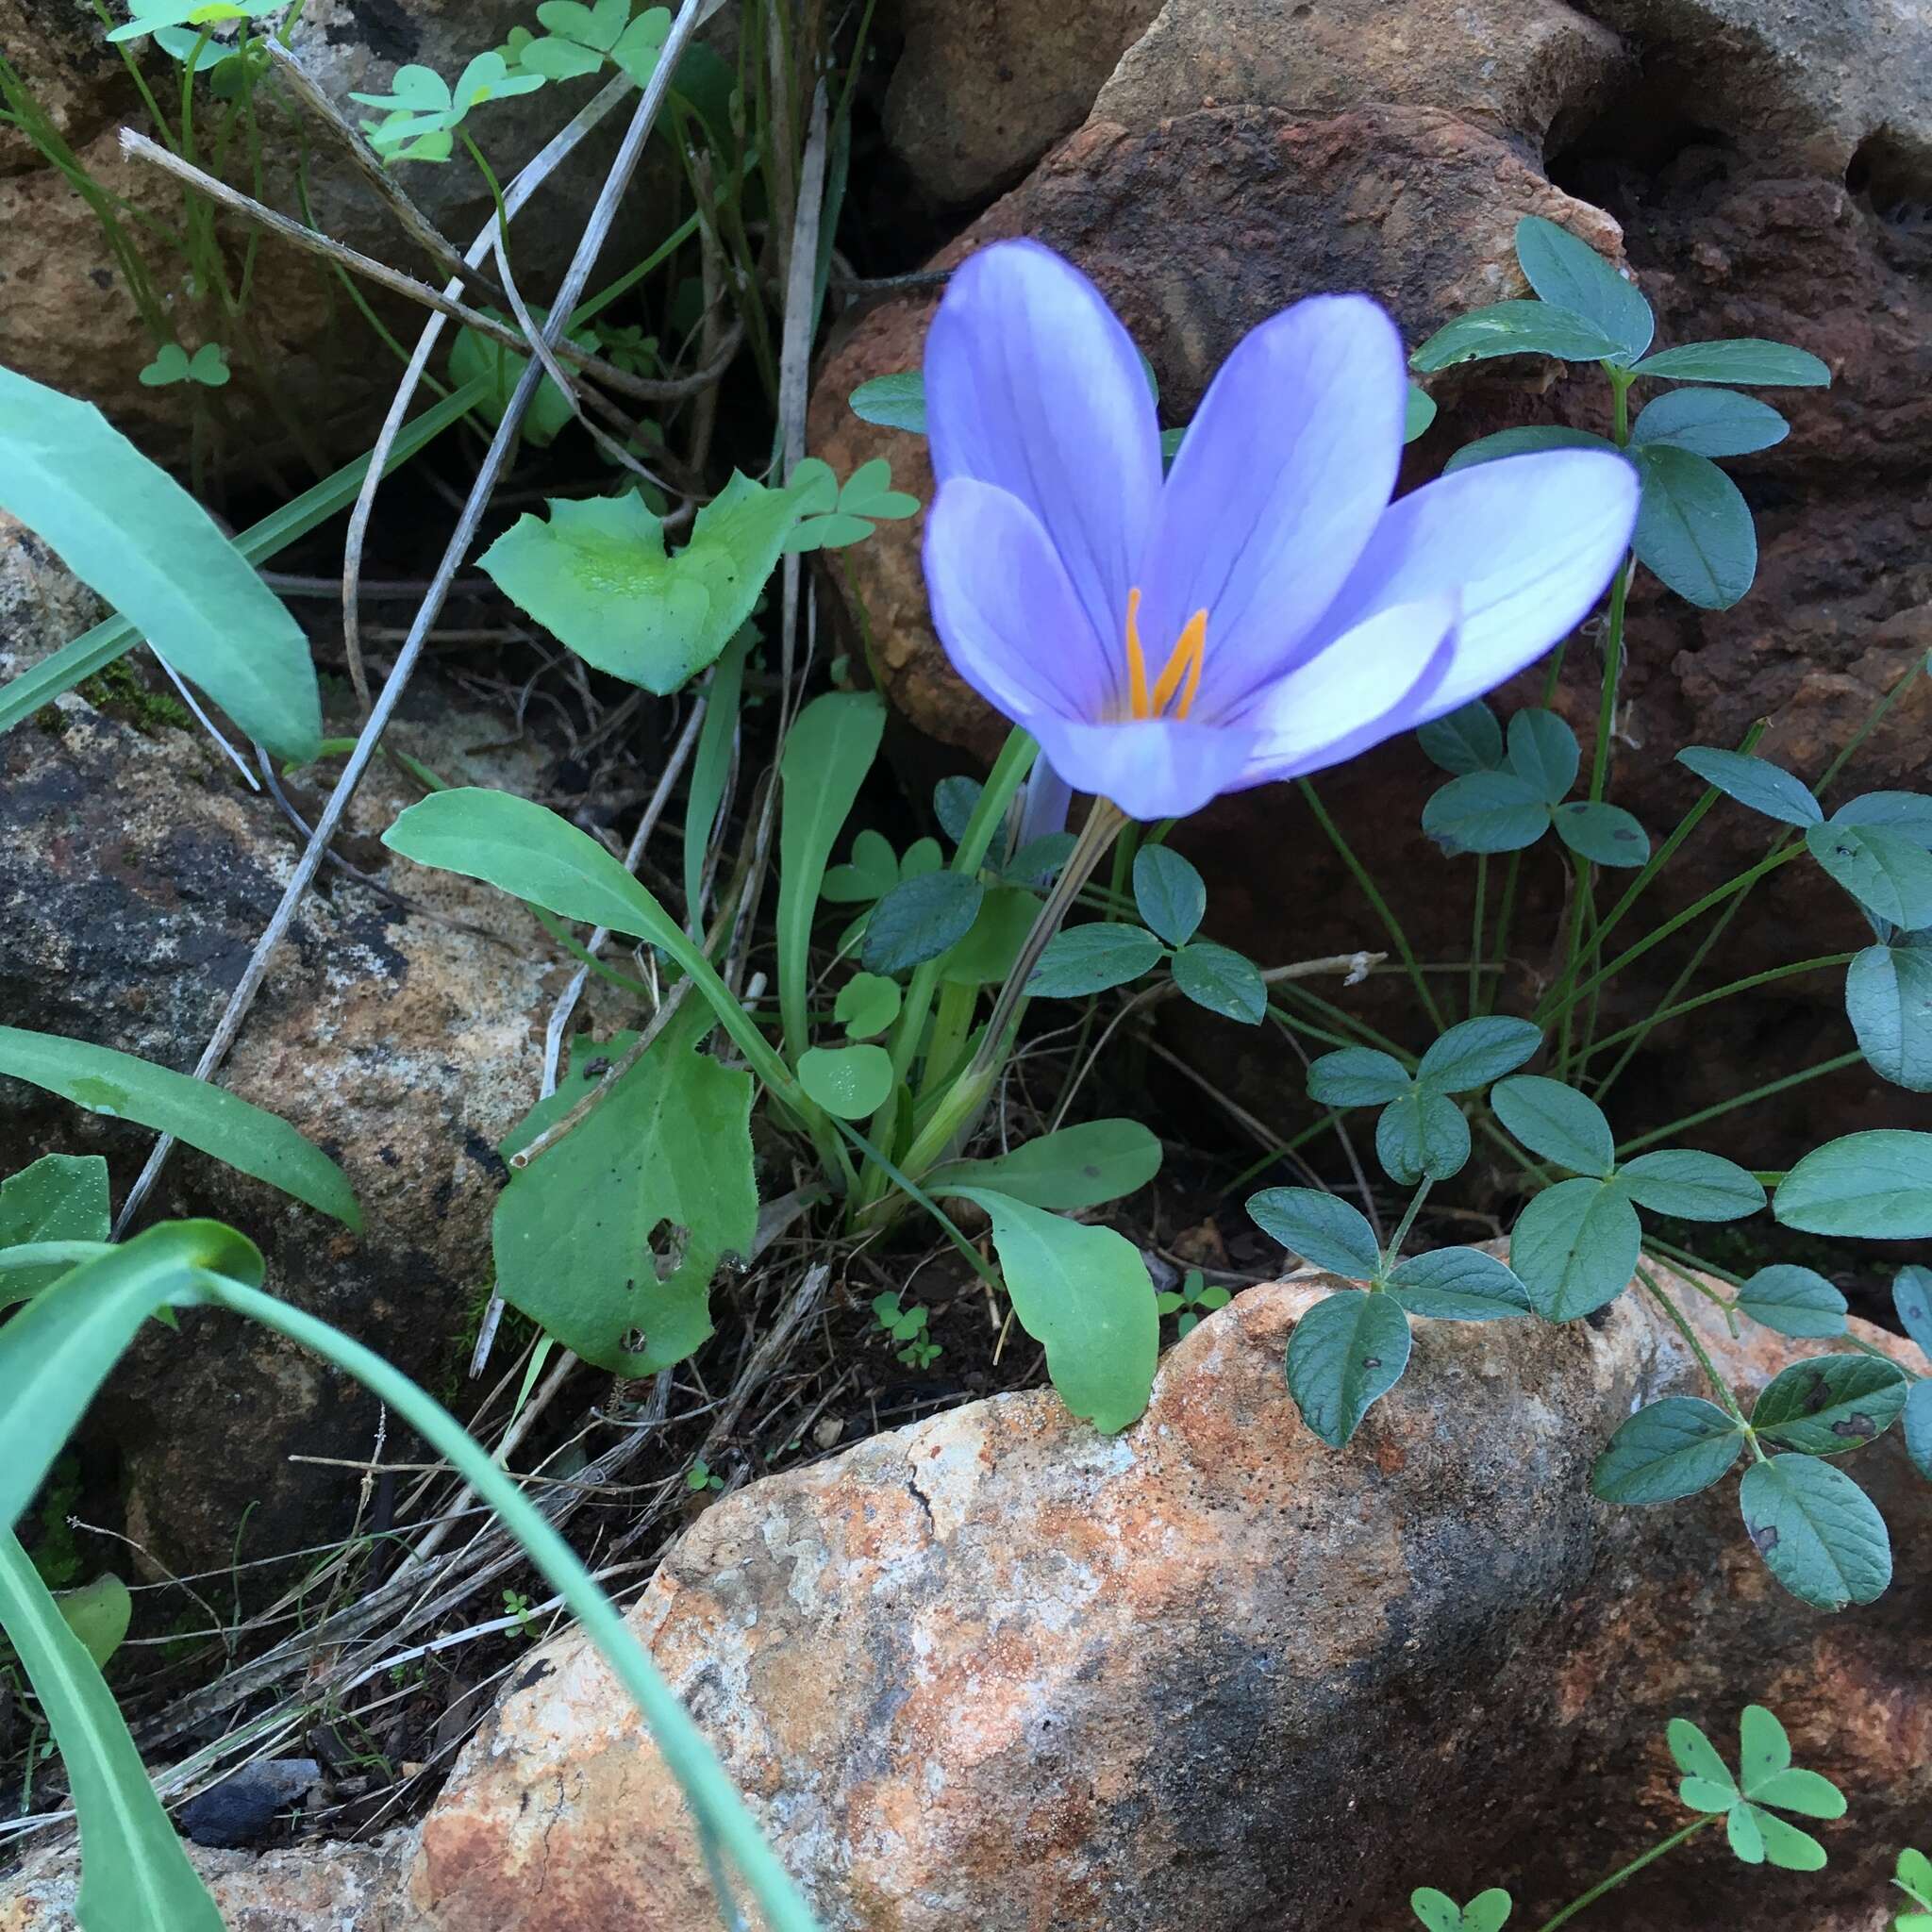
[1043,810]
[1152,768]
[1369,684]
[1032,385]
[1527,544]
[1006,610]
[1277,488]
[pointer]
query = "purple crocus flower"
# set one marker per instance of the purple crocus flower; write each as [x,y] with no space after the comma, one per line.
[1265,611]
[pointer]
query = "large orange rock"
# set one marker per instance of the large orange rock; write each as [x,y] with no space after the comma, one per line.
[997,1671]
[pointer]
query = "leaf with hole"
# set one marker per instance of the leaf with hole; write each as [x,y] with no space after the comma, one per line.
[1475,1052]
[892,402]
[598,576]
[920,919]
[1084,1295]
[1885,871]
[59,1197]
[1888,1002]
[1346,1353]
[1756,782]
[1570,275]
[1694,531]
[1168,894]
[1876,1185]
[1322,1228]
[852,1082]
[1690,1186]
[1358,1077]
[1543,752]
[1512,328]
[1220,979]
[1486,811]
[1422,1134]
[1468,739]
[1574,1248]
[1710,423]
[1816,1530]
[1746,360]
[1831,1403]
[1091,959]
[610,1237]
[1793,1301]
[1083,1166]
[1672,1448]
[1458,1285]
[1556,1122]
[127,530]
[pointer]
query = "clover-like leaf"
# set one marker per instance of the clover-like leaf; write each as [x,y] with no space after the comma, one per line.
[867,1004]
[1486,811]
[1573,275]
[1556,1122]
[1793,1301]
[1876,1185]
[1694,530]
[1888,1002]
[1831,1403]
[1358,1077]
[1468,739]
[1574,1248]
[850,1081]
[1710,423]
[1671,1448]
[920,919]
[1458,1285]
[1528,441]
[1886,870]
[1475,1052]
[1690,1186]
[1423,1134]
[1346,1353]
[1749,360]
[1817,1531]
[1320,1228]
[1513,328]
[1752,781]
[1168,894]
[1603,834]
[1543,752]
[892,402]
[1223,981]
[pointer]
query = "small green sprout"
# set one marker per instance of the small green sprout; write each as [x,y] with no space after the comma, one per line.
[908,1325]
[1192,1300]
[698,1477]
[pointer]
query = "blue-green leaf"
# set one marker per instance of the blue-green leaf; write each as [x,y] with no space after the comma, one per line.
[1918,1429]
[1543,752]
[1694,530]
[1911,1295]
[1757,782]
[1475,1052]
[1322,1228]
[1513,328]
[1876,1185]
[1793,1301]
[1358,1077]
[1346,1353]
[1168,894]
[894,402]
[1090,959]
[1458,1285]
[1831,1403]
[1710,423]
[1816,1530]
[1418,412]
[1486,811]
[920,919]
[1468,739]
[1223,981]
[1692,1186]
[1556,1122]
[1697,1758]
[1888,1001]
[1423,1133]
[1574,1248]
[1672,1448]
[1569,273]
[1528,440]
[1747,359]
[1885,871]
[1603,834]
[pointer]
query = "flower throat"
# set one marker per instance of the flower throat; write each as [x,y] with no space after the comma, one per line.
[1181,672]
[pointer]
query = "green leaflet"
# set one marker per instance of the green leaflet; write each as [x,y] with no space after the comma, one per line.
[1345,1354]
[1082,1166]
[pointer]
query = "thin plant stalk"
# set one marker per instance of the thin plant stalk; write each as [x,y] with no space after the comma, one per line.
[1724,1107]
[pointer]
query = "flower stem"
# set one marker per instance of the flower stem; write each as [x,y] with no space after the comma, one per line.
[1720,993]
[1392,1253]
[1629,1871]
[1662,1297]
[1476,936]
[1725,1106]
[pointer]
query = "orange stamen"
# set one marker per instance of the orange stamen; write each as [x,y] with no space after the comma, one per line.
[1137,662]
[1180,675]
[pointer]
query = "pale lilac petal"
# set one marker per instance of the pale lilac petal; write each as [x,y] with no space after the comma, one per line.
[1004,610]
[1528,545]
[1369,684]
[1043,811]
[1151,768]
[1033,386]
[1278,486]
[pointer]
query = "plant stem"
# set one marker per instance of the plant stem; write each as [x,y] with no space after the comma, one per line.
[1629,1871]
[1390,924]
[1392,1253]
[1695,1344]
[1725,1106]
[1613,666]
[1505,919]
[1475,937]
[1706,999]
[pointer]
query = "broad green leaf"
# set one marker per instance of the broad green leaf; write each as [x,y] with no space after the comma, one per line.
[867,1005]
[871,872]
[1513,328]
[1570,275]
[1083,1166]
[1911,1295]
[1418,412]
[827,753]
[1543,752]
[1740,1830]
[241,1136]
[1909,812]
[1488,1911]
[134,1870]
[1710,423]
[1793,1301]
[98,1613]
[1523,443]
[1694,530]
[1603,834]
[1458,1285]
[127,530]
[1888,1001]
[1486,811]
[1757,782]
[1747,359]
[1574,1248]
[1168,894]
[1222,980]
[610,1237]
[1468,739]
[1696,1757]
[852,1082]
[1672,1448]
[1475,1052]
[894,402]
[1876,1185]
[1346,1353]
[1556,1122]
[1322,1229]
[597,576]
[1422,1134]
[919,919]
[1358,1077]
[1918,1427]
[1084,1295]
[1690,1186]
[1883,870]
[1831,1403]
[992,946]
[1763,1749]
[59,1197]
[1090,959]
[1816,1530]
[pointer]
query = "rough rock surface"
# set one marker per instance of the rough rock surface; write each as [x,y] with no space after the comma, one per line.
[138,874]
[993,1670]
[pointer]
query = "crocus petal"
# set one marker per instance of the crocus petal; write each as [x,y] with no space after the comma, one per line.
[1529,544]
[1372,682]
[1278,486]
[1033,386]
[1151,768]
[1004,610]
[1043,811]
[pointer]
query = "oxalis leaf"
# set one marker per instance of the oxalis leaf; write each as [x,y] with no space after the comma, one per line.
[1084,1295]
[126,529]
[610,1237]
[598,576]
[1817,1531]
[1346,1353]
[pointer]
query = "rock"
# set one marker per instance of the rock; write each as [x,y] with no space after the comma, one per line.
[139,875]
[41,603]
[983,87]
[1510,67]
[995,1670]
[243,1809]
